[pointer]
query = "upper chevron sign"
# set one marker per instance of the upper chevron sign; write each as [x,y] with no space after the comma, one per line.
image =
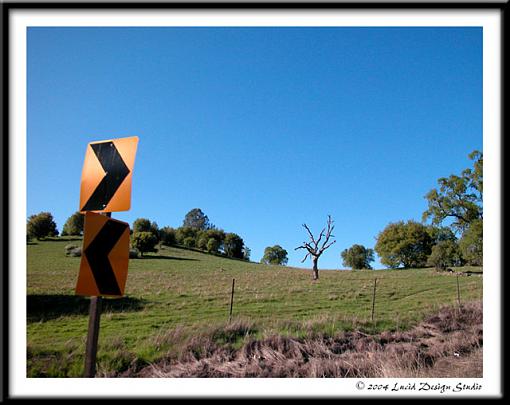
[106,175]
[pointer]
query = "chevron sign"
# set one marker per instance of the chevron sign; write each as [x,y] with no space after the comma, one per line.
[106,175]
[105,257]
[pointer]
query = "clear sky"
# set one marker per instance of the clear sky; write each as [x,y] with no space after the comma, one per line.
[264,129]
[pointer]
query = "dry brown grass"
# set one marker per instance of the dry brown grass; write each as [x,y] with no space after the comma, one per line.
[447,344]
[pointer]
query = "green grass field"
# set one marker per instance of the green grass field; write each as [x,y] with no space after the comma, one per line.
[175,294]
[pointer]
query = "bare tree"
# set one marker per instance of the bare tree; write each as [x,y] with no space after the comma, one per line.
[314,248]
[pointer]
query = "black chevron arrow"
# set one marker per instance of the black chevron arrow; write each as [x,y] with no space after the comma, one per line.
[116,171]
[97,255]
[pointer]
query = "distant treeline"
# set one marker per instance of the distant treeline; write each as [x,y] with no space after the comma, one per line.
[453,237]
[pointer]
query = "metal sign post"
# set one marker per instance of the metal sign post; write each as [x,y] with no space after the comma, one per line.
[92,337]
[93,332]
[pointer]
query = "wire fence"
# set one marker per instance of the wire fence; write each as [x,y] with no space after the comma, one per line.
[369,296]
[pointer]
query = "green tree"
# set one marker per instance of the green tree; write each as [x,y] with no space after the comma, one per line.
[471,244]
[144,242]
[358,257]
[444,254]
[185,232]
[142,225]
[167,236]
[233,245]
[189,242]
[145,225]
[203,238]
[246,253]
[213,246]
[407,244]
[41,225]
[459,198]
[196,219]
[74,225]
[201,241]
[275,255]
[440,234]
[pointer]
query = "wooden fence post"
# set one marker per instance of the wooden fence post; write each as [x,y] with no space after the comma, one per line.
[458,291]
[231,300]
[93,332]
[92,337]
[373,299]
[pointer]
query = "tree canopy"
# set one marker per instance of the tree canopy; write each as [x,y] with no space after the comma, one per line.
[459,198]
[358,257]
[41,225]
[167,236]
[196,219]
[233,246]
[405,244]
[74,224]
[445,253]
[144,242]
[471,243]
[275,255]
[145,225]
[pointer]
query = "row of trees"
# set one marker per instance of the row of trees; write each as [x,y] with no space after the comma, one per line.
[196,232]
[453,237]
[43,225]
[412,244]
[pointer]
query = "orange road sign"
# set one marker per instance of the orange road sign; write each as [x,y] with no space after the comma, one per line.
[107,174]
[104,258]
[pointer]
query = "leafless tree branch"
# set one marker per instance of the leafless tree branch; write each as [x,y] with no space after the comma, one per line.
[309,233]
[304,258]
[314,250]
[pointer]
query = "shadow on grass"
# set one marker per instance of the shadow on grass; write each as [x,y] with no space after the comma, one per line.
[218,254]
[60,239]
[168,258]
[42,308]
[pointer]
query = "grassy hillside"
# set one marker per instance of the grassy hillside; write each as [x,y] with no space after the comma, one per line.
[176,294]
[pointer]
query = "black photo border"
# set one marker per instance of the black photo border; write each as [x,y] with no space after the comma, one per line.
[7,7]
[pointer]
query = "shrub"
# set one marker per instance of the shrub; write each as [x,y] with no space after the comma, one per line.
[145,225]
[74,224]
[358,257]
[471,243]
[275,255]
[444,254]
[203,237]
[185,232]
[233,246]
[41,225]
[202,241]
[189,242]
[408,244]
[144,242]
[167,236]
[213,245]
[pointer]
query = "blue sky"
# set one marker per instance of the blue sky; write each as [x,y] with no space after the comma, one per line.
[262,128]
